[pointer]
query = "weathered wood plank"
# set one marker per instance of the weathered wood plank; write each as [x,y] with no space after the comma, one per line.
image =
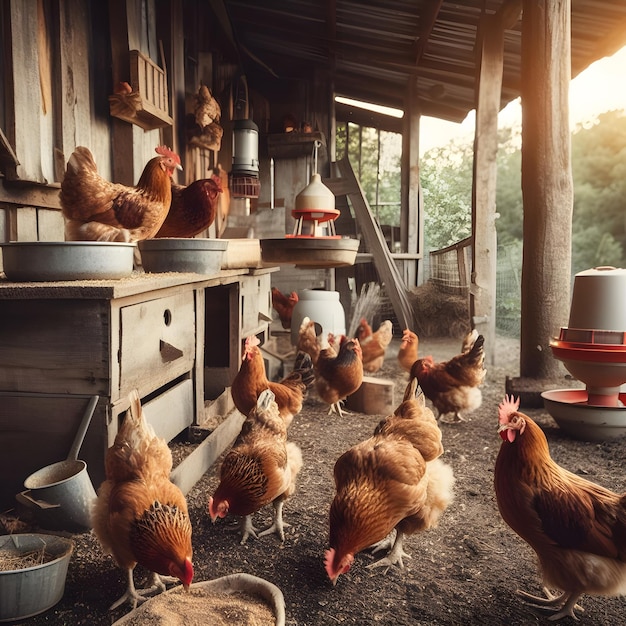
[24,135]
[375,240]
[50,225]
[158,336]
[187,474]
[171,412]
[485,244]
[76,339]
[73,107]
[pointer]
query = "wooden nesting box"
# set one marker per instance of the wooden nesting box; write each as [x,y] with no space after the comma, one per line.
[373,397]
[149,81]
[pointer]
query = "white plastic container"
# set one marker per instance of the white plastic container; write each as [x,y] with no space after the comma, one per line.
[599,299]
[321,306]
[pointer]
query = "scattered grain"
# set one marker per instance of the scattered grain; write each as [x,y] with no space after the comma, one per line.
[198,607]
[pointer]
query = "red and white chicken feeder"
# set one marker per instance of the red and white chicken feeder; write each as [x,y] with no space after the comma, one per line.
[593,350]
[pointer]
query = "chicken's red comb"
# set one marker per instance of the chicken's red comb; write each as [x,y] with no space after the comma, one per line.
[253,340]
[168,152]
[218,181]
[506,407]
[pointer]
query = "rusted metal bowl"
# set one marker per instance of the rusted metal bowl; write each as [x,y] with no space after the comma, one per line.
[42,261]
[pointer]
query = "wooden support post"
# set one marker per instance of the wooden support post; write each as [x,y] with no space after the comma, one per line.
[546,182]
[484,248]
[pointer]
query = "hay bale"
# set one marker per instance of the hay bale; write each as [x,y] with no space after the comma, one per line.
[439,313]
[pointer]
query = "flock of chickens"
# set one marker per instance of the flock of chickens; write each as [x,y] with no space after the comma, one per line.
[391,485]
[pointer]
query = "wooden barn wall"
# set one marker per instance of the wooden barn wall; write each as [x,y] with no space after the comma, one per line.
[56,98]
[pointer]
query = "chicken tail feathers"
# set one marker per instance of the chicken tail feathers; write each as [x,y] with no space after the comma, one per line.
[135,427]
[477,350]
[80,160]
[303,365]
[439,493]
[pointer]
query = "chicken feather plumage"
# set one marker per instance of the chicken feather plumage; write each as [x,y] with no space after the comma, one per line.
[260,469]
[338,374]
[140,516]
[577,528]
[98,210]
[384,484]
[251,380]
[454,385]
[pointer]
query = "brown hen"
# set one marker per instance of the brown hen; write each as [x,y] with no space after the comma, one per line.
[98,210]
[251,380]
[374,345]
[260,468]
[283,305]
[453,386]
[338,374]
[407,352]
[576,527]
[193,208]
[385,489]
[140,516]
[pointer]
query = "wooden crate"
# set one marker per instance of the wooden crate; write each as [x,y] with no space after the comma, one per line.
[150,82]
[373,397]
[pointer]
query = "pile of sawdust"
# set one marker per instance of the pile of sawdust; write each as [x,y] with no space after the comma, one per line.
[198,608]
[438,313]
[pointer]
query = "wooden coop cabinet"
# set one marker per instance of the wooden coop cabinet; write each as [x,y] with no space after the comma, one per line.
[61,343]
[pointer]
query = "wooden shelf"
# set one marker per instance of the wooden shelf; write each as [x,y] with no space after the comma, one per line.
[294,145]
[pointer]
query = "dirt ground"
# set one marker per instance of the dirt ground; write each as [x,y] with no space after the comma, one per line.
[463,572]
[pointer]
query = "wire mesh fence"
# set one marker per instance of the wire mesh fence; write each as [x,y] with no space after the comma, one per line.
[449,270]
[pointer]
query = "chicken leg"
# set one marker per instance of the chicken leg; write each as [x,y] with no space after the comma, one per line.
[278,525]
[394,556]
[565,602]
[247,529]
[133,595]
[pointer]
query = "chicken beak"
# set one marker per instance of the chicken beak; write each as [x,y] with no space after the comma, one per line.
[179,167]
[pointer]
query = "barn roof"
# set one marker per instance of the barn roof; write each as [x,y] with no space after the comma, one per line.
[373,48]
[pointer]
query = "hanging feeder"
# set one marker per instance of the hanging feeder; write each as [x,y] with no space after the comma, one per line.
[315,211]
[243,179]
[314,244]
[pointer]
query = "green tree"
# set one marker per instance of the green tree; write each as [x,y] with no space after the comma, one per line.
[446,179]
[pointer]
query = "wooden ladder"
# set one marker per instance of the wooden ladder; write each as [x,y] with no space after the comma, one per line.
[348,185]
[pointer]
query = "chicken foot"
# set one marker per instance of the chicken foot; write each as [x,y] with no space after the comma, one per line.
[247,529]
[565,602]
[336,408]
[455,419]
[133,595]
[394,556]
[278,525]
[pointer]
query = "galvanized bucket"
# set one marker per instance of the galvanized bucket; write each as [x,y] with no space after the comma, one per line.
[36,588]
[62,494]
